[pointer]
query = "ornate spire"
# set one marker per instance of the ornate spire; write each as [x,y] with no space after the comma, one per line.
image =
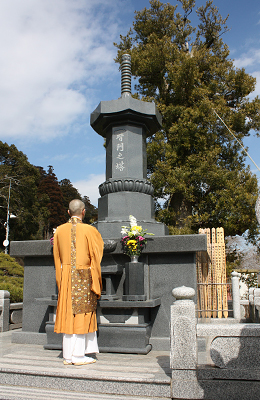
[126,75]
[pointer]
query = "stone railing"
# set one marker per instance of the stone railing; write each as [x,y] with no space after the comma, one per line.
[217,360]
[10,314]
[254,305]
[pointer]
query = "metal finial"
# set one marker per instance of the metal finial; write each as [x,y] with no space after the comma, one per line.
[126,75]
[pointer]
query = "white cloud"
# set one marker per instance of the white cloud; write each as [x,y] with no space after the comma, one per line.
[53,53]
[248,59]
[90,186]
[98,159]
[251,62]
[256,74]
[244,61]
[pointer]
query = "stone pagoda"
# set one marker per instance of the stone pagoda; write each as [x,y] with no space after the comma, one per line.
[125,124]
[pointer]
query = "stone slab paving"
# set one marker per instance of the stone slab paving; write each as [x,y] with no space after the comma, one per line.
[31,368]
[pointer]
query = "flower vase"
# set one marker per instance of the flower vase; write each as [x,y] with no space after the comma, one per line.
[134,258]
[134,280]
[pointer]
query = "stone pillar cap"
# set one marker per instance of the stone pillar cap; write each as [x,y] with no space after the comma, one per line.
[235,273]
[183,293]
[4,294]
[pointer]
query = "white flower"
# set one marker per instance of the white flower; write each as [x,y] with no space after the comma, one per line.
[133,221]
[124,230]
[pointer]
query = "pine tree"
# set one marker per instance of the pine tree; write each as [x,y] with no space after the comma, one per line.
[194,163]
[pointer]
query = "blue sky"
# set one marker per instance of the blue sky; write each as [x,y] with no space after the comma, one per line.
[56,65]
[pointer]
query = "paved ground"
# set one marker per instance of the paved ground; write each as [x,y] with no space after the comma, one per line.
[32,360]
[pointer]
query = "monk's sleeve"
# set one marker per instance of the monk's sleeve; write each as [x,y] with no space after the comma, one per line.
[57,260]
[96,246]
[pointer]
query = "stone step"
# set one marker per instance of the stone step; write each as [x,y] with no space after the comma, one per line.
[26,393]
[26,369]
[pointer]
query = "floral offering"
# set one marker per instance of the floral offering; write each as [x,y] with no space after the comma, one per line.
[52,238]
[133,240]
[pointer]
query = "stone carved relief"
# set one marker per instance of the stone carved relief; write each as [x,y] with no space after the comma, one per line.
[126,185]
[109,245]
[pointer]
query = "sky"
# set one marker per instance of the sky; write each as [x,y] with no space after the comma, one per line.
[57,64]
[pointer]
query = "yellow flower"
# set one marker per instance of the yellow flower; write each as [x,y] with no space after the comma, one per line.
[136,228]
[131,242]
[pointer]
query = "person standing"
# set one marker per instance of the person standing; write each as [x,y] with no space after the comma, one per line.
[77,250]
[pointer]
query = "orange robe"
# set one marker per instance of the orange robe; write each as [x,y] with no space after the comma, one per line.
[89,252]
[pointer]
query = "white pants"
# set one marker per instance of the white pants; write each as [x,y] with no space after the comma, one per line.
[79,345]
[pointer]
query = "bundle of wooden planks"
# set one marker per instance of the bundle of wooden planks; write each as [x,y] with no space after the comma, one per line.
[211,276]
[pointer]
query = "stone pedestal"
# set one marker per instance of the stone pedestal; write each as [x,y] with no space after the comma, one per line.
[134,281]
[235,277]
[111,276]
[169,261]
[4,310]
[184,346]
[183,330]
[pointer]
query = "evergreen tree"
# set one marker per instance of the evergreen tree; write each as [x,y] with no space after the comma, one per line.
[69,193]
[194,163]
[57,212]
[91,214]
[23,202]
[37,199]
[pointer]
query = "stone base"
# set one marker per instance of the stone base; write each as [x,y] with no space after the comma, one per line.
[134,297]
[160,343]
[21,337]
[112,338]
[111,229]
[122,338]
[54,340]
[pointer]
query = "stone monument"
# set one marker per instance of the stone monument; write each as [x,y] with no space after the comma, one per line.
[125,124]
[134,309]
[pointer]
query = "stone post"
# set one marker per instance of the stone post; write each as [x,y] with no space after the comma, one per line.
[4,310]
[183,356]
[251,304]
[236,294]
[256,304]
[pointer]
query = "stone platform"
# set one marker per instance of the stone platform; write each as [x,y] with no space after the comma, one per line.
[30,372]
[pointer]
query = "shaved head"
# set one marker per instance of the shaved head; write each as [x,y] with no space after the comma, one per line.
[76,207]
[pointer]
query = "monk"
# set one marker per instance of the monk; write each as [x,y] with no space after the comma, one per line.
[78,250]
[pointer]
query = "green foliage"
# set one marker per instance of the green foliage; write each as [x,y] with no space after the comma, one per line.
[194,163]
[69,193]
[11,277]
[55,204]
[24,203]
[91,214]
[186,230]
[37,199]
[234,259]
[249,278]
